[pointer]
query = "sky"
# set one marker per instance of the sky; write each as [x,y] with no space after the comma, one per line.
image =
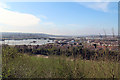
[59,18]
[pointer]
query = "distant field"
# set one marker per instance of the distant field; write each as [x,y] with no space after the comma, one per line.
[16,65]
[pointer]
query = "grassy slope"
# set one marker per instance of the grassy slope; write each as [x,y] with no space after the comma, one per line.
[32,66]
[24,66]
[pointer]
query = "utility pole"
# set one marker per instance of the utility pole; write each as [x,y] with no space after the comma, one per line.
[105,33]
[100,35]
[113,32]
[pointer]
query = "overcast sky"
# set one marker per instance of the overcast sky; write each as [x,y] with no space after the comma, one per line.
[59,18]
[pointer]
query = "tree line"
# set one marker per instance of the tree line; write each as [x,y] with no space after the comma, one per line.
[72,51]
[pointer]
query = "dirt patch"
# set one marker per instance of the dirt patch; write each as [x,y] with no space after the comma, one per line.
[42,56]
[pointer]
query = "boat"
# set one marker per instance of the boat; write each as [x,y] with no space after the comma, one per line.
[34,41]
[48,41]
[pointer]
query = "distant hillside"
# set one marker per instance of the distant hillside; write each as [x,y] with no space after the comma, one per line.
[13,35]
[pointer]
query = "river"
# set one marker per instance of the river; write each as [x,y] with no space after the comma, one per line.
[27,42]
